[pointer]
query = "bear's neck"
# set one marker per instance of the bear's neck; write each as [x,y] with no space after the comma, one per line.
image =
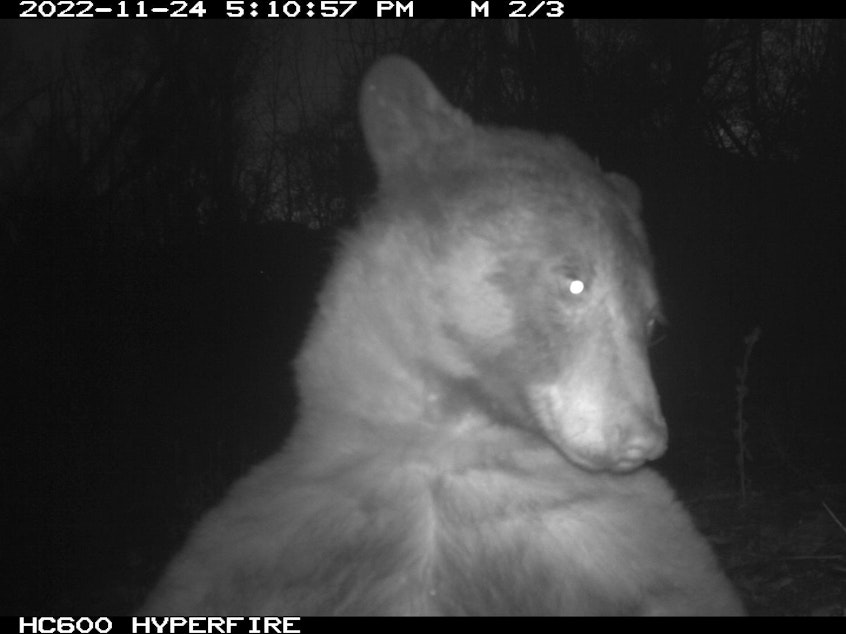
[375,332]
[377,368]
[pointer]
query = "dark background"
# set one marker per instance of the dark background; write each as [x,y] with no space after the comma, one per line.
[169,198]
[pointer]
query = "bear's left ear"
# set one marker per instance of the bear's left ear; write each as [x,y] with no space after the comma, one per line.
[402,113]
[628,192]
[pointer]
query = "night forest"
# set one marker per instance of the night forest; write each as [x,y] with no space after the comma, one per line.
[172,193]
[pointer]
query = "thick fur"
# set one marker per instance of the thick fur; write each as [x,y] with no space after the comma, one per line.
[476,402]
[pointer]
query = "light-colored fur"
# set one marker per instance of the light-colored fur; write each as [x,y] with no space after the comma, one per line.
[472,428]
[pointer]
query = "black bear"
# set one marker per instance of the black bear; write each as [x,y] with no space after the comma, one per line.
[476,401]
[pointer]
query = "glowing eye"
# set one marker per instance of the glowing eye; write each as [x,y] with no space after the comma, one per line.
[576,287]
[571,281]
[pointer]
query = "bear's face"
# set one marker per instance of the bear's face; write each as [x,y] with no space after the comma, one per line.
[551,298]
[538,273]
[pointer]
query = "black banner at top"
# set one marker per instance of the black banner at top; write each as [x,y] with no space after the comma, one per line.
[331,9]
[288,9]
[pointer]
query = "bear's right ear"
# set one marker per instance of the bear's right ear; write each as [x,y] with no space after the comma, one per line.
[402,113]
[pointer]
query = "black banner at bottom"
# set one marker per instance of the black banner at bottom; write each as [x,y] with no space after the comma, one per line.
[156,625]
